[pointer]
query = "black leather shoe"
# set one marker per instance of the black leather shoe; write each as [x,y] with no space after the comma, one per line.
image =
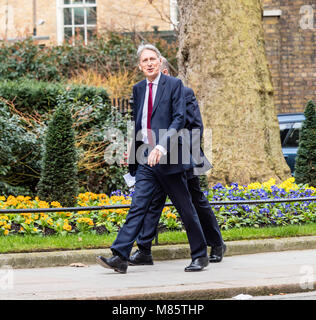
[140,259]
[217,253]
[115,262]
[197,264]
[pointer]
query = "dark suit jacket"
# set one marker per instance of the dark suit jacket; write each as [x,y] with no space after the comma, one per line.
[169,113]
[194,121]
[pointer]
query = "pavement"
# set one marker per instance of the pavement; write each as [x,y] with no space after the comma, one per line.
[256,268]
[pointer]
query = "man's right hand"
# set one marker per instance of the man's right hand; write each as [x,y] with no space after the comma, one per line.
[154,157]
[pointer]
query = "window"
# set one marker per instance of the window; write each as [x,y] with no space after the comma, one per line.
[292,140]
[77,20]
[284,129]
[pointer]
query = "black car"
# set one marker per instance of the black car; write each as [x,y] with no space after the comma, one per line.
[290,125]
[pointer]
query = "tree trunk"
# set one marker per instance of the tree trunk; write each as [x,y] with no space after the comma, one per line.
[222,58]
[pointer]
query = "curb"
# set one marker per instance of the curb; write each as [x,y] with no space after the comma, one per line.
[208,294]
[167,252]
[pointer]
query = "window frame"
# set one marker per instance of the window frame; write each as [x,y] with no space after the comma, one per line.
[296,125]
[60,19]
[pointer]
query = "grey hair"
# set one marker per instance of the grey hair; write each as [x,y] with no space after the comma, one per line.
[165,64]
[148,46]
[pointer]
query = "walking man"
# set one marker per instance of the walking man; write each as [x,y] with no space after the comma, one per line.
[206,215]
[159,113]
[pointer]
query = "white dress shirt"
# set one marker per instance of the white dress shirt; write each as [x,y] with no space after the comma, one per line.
[145,111]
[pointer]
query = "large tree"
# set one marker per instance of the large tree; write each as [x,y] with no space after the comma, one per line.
[222,57]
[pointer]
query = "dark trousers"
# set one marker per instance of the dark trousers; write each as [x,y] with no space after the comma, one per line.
[148,183]
[206,216]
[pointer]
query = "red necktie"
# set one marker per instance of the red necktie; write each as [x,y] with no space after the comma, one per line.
[149,112]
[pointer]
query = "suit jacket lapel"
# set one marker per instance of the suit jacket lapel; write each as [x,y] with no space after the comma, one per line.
[160,90]
[141,106]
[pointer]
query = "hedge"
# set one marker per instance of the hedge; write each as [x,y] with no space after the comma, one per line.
[32,95]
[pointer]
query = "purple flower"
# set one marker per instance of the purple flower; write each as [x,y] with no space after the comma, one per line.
[218,186]
[280,214]
[264,210]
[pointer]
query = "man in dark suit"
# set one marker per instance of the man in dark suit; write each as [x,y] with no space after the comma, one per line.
[206,215]
[157,162]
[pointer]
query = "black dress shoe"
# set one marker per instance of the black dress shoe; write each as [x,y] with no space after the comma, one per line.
[115,262]
[197,264]
[140,259]
[217,253]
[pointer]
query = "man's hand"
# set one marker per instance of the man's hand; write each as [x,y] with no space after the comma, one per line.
[154,157]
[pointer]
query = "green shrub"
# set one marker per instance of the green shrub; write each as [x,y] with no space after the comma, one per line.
[26,58]
[21,142]
[54,63]
[38,96]
[20,153]
[59,181]
[108,52]
[305,162]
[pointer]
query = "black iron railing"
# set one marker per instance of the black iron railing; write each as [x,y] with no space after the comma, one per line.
[168,204]
[123,105]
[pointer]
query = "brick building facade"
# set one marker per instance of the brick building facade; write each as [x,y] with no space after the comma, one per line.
[56,19]
[290,30]
[288,24]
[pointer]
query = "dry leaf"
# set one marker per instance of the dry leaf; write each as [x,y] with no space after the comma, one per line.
[77,264]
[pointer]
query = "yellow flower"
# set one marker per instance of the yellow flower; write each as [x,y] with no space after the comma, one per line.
[269,184]
[171,215]
[67,227]
[43,204]
[20,198]
[34,229]
[255,185]
[55,204]
[103,195]
[11,201]
[93,196]
[6,232]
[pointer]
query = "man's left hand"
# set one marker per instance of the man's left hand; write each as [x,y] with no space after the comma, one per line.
[154,157]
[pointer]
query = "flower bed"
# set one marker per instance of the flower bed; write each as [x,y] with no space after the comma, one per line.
[268,214]
[108,221]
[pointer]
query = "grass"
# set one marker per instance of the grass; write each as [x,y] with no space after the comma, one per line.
[28,243]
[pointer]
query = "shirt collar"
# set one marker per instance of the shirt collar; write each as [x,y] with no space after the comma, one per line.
[156,81]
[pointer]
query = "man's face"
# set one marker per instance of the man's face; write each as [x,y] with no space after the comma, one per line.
[150,64]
